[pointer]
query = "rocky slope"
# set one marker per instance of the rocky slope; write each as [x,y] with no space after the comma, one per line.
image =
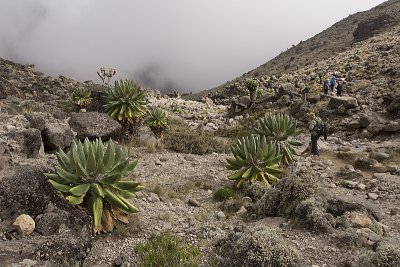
[339,209]
[327,45]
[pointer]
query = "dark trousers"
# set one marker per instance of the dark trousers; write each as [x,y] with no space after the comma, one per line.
[314,144]
[339,92]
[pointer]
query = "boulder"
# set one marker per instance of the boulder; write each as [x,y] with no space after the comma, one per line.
[346,101]
[93,125]
[365,120]
[67,242]
[56,135]
[36,120]
[394,106]
[354,124]
[32,142]
[367,28]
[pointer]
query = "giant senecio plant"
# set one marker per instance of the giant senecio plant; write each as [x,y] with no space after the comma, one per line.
[255,159]
[126,102]
[280,129]
[94,175]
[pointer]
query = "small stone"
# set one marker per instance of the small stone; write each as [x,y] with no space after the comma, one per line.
[24,224]
[361,186]
[153,197]
[159,163]
[221,215]
[372,196]
[10,128]
[193,202]
[242,210]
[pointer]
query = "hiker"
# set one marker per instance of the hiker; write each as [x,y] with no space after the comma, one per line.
[339,87]
[326,87]
[333,82]
[317,128]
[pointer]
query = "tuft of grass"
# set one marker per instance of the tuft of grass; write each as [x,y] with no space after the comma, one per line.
[167,250]
[394,155]
[223,193]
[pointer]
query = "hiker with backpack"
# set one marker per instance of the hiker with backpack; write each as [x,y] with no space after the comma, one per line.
[326,86]
[333,82]
[317,128]
[339,87]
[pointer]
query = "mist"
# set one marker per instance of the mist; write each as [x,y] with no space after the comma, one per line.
[184,45]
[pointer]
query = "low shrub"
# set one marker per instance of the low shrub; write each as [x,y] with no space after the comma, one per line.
[186,140]
[387,255]
[262,246]
[167,250]
[223,193]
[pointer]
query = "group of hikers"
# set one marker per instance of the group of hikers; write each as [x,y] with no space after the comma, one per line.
[333,84]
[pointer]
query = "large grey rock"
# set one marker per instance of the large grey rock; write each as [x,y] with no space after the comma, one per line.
[67,243]
[346,101]
[370,26]
[93,125]
[36,120]
[57,136]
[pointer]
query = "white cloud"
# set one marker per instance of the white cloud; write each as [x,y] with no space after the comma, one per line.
[175,44]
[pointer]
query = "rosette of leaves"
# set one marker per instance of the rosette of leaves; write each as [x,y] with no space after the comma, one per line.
[157,121]
[280,129]
[126,102]
[255,159]
[94,175]
[81,97]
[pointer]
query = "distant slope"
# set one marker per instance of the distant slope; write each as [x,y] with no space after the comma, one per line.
[338,38]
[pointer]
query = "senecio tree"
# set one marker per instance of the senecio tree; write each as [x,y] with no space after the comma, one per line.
[252,85]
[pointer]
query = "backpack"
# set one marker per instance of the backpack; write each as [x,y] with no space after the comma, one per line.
[320,128]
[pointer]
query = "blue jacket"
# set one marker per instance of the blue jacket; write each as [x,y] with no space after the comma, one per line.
[333,81]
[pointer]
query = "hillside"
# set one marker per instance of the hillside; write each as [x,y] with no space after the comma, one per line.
[340,37]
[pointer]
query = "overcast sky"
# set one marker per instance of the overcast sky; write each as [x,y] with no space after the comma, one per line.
[185,45]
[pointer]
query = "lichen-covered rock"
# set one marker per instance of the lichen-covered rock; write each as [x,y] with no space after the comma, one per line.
[32,142]
[346,101]
[56,135]
[93,125]
[261,246]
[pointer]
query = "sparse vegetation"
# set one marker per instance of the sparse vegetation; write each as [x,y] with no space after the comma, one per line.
[185,140]
[167,250]
[262,246]
[223,193]
[94,176]
[387,255]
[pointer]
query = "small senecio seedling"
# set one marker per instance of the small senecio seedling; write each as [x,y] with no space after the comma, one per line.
[157,121]
[82,97]
[94,175]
